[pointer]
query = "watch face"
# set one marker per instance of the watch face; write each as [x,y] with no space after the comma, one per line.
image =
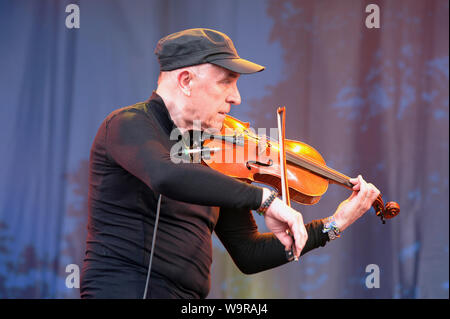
[331,234]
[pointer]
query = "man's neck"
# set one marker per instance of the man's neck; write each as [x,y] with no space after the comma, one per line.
[176,110]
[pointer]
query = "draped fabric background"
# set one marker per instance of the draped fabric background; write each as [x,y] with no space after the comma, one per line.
[371,101]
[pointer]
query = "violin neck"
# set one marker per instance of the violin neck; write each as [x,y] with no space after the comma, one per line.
[324,171]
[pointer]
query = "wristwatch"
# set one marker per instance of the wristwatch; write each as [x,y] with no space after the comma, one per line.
[332,234]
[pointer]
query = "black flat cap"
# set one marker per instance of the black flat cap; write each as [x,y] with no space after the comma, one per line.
[198,46]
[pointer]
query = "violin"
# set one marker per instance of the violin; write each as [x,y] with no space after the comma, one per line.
[240,153]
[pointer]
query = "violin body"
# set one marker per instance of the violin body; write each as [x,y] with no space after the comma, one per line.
[240,153]
[256,159]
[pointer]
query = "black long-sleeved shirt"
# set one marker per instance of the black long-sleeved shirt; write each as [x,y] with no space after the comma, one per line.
[130,166]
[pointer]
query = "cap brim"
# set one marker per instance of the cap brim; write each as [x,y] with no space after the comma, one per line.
[239,65]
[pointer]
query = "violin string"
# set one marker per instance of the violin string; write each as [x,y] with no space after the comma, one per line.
[314,166]
[302,161]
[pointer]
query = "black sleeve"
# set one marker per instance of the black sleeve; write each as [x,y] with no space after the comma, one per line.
[252,251]
[134,142]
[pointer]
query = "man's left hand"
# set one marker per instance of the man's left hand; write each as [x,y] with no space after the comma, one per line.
[361,200]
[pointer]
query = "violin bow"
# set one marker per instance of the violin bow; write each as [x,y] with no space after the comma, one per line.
[281,116]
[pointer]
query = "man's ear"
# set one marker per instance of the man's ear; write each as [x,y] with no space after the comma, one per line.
[184,81]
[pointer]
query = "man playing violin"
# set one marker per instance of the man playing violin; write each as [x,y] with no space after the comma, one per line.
[133,180]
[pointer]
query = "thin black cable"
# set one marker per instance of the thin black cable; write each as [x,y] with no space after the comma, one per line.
[153,248]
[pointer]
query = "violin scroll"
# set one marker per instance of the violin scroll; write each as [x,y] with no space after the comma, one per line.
[388,211]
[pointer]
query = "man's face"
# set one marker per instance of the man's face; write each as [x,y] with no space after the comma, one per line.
[213,91]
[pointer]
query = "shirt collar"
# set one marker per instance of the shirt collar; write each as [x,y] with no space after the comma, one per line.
[162,115]
[159,110]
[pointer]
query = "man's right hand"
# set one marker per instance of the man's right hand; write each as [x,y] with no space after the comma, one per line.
[281,219]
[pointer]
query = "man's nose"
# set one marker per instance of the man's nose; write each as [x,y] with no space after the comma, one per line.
[234,97]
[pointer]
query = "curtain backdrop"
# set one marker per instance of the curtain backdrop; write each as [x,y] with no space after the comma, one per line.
[372,101]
